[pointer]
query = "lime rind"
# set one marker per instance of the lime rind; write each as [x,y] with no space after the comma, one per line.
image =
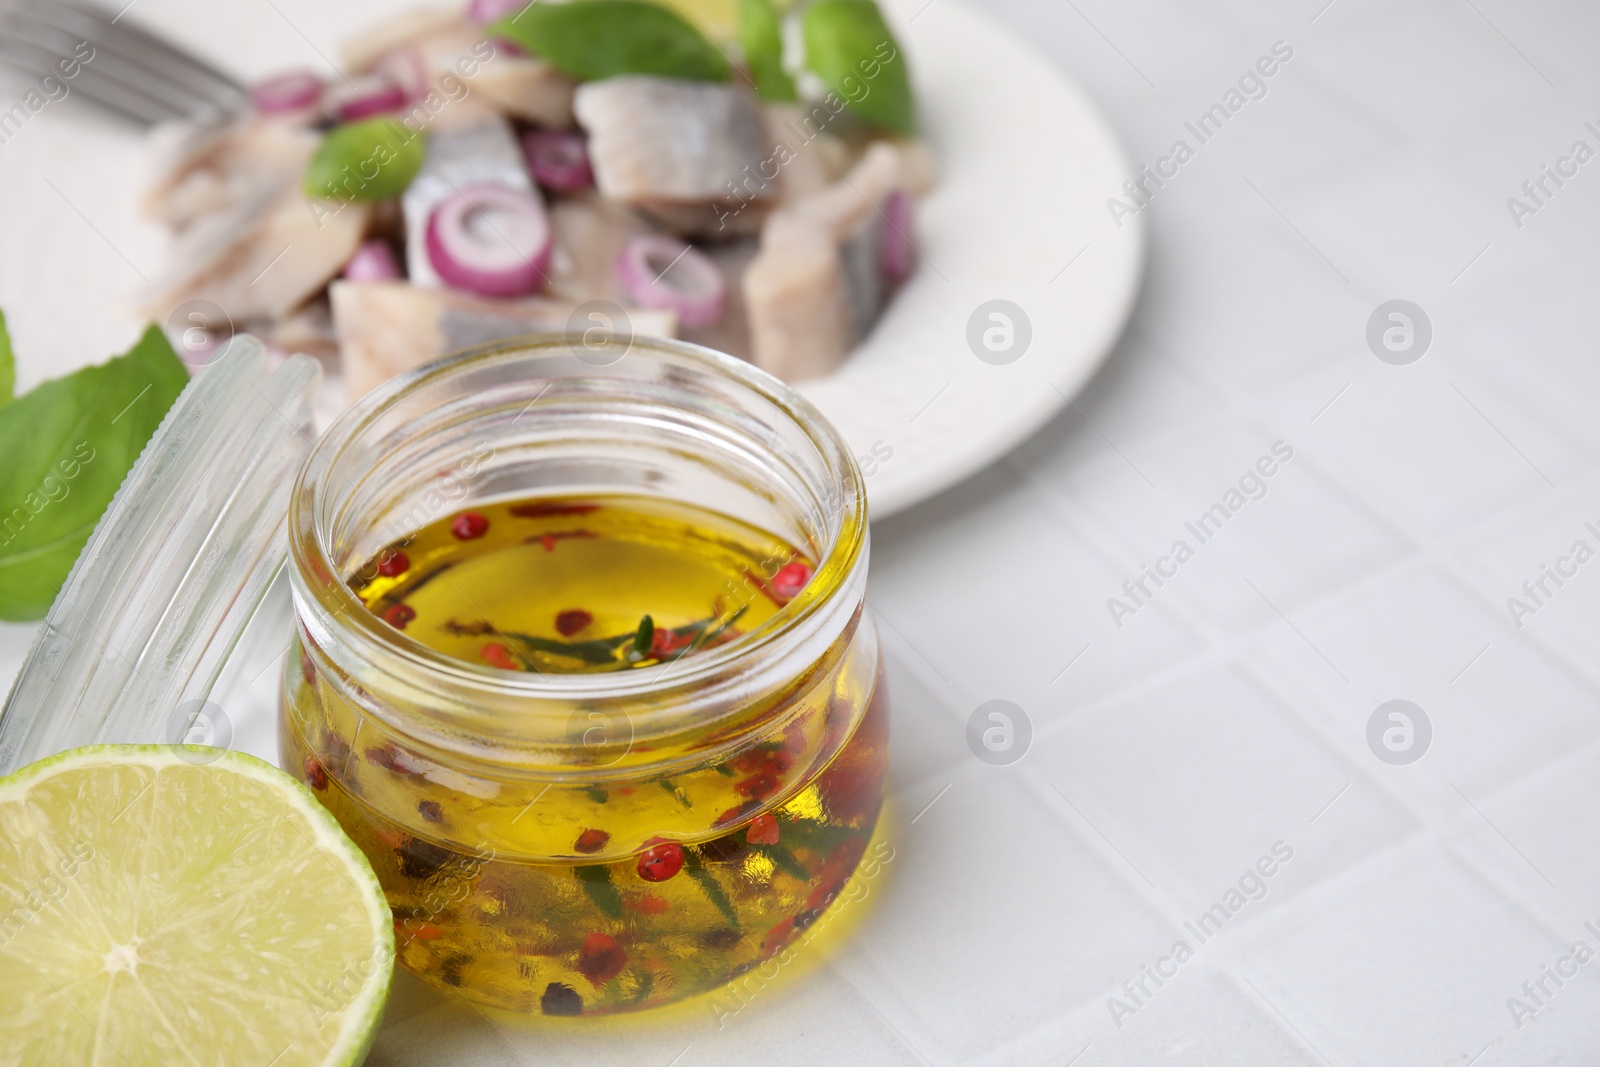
[278,878]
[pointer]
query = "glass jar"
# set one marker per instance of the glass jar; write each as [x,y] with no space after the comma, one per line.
[590,843]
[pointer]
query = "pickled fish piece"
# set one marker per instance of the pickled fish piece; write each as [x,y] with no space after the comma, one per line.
[798,304]
[411,27]
[526,88]
[206,169]
[309,329]
[731,332]
[688,153]
[818,284]
[590,233]
[262,258]
[807,156]
[387,328]
[444,53]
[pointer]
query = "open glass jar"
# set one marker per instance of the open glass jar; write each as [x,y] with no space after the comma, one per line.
[589,841]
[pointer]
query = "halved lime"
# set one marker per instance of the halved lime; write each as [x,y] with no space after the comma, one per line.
[176,906]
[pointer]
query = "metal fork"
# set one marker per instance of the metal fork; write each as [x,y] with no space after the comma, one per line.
[130,71]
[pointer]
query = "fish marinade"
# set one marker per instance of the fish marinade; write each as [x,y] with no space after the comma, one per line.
[640,874]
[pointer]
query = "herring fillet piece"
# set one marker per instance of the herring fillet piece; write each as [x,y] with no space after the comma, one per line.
[486,152]
[730,333]
[690,153]
[308,329]
[404,28]
[447,45]
[527,88]
[817,286]
[262,258]
[387,328]
[589,233]
[202,169]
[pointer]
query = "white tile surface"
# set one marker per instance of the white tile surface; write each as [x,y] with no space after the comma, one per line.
[1195,826]
[1172,752]
[1406,961]
[1026,921]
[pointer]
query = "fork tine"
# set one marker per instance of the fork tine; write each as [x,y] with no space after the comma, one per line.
[130,103]
[106,76]
[131,72]
[139,45]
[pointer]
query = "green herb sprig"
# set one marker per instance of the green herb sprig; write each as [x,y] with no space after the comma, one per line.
[631,649]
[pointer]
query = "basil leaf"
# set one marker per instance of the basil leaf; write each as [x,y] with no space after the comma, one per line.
[593,39]
[762,40]
[849,46]
[371,160]
[68,445]
[8,364]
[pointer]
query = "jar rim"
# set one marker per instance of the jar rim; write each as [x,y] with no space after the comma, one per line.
[309,524]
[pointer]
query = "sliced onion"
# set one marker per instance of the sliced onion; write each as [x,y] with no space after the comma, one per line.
[372,262]
[484,12]
[558,160]
[374,96]
[490,239]
[664,272]
[294,90]
[897,255]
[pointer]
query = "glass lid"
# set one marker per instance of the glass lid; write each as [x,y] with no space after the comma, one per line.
[176,567]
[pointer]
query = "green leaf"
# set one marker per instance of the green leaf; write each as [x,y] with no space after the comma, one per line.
[762,40]
[784,860]
[8,364]
[849,46]
[68,445]
[371,160]
[819,837]
[598,652]
[673,790]
[644,637]
[713,889]
[597,883]
[604,38]
[647,983]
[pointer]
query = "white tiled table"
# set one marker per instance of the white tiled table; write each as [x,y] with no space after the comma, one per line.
[1229,714]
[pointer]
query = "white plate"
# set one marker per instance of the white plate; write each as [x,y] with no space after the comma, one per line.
[1026,164]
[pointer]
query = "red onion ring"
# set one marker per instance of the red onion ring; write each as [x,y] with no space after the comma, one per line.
[558,160]
[294,90]
[665,273]
[375,96]
[897,255]
[373,262]
[484,12]
[490,239]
